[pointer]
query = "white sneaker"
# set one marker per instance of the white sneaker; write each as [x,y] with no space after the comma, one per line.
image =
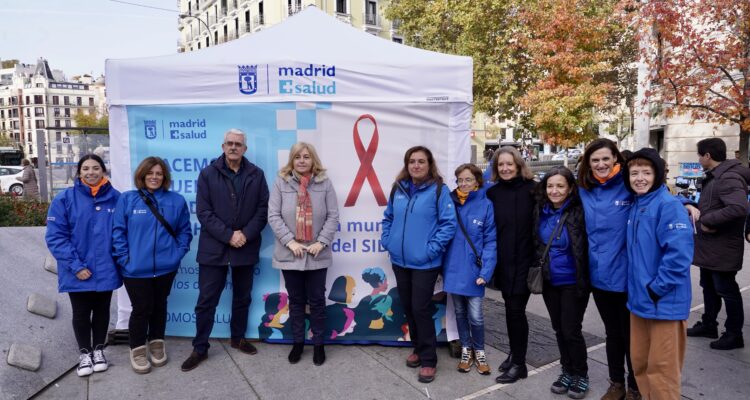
[100,362]
[85,367]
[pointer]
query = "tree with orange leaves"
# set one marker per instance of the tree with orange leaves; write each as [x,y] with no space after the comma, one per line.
[700,60]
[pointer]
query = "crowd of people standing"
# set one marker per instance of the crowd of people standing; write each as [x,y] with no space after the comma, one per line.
[614,232]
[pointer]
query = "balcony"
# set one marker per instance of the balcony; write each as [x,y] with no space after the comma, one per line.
[248,27]
[371,19]
[258,22]
[343,17]
[294,9]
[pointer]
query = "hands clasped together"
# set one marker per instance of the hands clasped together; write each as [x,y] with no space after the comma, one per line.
[299,249]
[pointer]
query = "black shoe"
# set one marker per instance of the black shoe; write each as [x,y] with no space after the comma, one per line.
[562,384]
[728,341]
[319,354]
[702,330]
[506,364]
[514,373]
[579,387]
[244,346]
[296,353]
[193,361]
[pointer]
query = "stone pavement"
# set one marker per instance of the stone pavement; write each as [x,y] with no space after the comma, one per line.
[356,372]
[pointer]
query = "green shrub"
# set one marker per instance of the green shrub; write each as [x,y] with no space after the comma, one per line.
[16,212]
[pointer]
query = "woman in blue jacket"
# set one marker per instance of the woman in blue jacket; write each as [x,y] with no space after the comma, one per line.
[148,253]
[607,204]
[469,264]
[418,224]
[561,232]
[660,251]
[79,232]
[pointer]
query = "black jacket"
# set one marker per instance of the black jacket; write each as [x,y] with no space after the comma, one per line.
[513,202]
[221,211]
[575,223]
[723,205]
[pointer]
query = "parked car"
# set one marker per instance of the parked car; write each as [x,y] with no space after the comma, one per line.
[8,181]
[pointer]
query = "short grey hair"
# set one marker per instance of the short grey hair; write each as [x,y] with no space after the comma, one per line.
[235,131]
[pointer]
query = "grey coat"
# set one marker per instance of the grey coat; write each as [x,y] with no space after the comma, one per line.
[30,185]
[282,207]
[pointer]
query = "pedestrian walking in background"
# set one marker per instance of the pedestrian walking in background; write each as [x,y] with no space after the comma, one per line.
[469,263]
[418,224]
[304,215]
[151,235]
[232,208]
[660,248]
[607,203]
[79,236]
[719,246]
[561,246]
[513,201]
[30,183]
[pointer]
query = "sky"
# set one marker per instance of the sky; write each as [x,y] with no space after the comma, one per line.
[77,36]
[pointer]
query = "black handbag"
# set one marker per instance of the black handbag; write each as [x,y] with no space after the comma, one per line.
[477,257]
[158,215]
[535,279]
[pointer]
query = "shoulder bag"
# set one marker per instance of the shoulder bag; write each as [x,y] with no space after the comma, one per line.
[535,279]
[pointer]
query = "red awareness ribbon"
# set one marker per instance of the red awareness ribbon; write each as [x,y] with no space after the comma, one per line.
[365,168]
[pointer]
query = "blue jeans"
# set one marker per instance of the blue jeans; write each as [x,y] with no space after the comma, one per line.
[469,321]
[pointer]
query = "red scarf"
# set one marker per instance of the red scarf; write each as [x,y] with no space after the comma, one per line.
[304,211]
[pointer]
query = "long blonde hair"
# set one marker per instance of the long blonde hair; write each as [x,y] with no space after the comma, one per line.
[317,166]
[523,170]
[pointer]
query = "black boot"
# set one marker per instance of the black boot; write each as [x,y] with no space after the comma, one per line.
[514,373]
[319,354]
[703,330]
[296,353]
[506,364]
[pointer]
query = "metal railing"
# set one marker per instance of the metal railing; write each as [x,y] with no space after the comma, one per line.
[372,19]
[248,27]
[294,8]
[258,20]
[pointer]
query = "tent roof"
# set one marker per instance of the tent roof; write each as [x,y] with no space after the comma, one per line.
[367,68]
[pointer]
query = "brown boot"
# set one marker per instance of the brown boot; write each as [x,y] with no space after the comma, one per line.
[467,360]
[633,394]
[616,391]
[481,362]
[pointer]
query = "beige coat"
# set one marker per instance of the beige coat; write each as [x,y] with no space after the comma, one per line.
[30,185]
[282,206]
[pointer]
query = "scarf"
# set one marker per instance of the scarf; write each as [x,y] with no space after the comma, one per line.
[304,211]
[462,196]
[95,188]
[614,172]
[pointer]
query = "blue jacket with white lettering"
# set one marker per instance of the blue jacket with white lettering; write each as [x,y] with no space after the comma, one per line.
[660,250]
[460,270]
[141,245]
[418,227]
[606,208]
[79,234]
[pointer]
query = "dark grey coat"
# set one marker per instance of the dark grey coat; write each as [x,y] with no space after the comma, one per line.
[723,206]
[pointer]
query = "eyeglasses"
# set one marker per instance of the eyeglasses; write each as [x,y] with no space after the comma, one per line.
[467,180]
[234,144]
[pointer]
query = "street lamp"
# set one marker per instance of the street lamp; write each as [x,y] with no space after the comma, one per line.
[208,30]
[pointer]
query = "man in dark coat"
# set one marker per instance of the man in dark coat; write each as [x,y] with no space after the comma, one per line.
[232,208]
[719,244]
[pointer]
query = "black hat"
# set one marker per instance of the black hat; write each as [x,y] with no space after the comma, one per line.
[659,168]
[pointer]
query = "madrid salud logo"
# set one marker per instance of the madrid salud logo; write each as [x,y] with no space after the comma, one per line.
[247,78]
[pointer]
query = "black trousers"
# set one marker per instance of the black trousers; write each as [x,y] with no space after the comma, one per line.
[148,320]
[614,312]
[566,309]
[718,286]
[518,325]
[307,287]
[90,318]
[415,287]
[211,281]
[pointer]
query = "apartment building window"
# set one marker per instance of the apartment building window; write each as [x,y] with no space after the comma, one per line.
[40,85]
[57,123]
[398,40]
[14,101]
[260,12]
[28,112]
[2,113]
[14,124]
[189,9]
[55,100]
[67,123]
[14,113]
[79,101]
[66,100]
[38,99]
[216,37]
[67,113]
[371,12]
[341,6]
[91,101]
[2,101]
[56,111]
[38,111]
[39,124]
[226,32]
[223,7]
[27,100]
[58,136]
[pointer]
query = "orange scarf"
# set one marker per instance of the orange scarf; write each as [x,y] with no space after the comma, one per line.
[614,172]
[462,196]
[95,188]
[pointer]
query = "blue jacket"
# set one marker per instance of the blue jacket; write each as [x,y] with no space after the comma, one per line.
[79,235]
[417,228]
[606,207]
[562,263]
[222,209]
[660,251]
[141,245]
[460,271]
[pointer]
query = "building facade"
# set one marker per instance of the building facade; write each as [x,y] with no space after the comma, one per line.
[34,100]
[205,23]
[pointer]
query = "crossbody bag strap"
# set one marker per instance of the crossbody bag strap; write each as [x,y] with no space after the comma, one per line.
[466,235]
[156,213]
[555,232]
